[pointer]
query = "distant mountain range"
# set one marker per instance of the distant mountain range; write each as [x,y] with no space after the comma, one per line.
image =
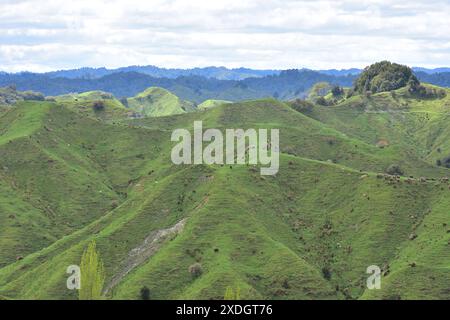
[285,85]
[197,84]
[220,73]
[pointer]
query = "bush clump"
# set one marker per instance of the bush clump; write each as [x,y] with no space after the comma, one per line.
[145,293]
[337,91]
[385,76]
[423,92]
[196,270]
[326,273]
[445,162]
[98,106]
[395,170]
[301,105]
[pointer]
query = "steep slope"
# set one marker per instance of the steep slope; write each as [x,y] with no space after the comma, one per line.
[309,232]
[158,102]
[394,120]
[62,170]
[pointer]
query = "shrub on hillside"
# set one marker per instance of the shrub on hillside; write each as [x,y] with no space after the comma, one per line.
[337,91]
[384,76]
[326,273]
[322,101]
[394,170]
[446,162]
[31,95]
[196,270]
[301,105]
[98,106]
[124,101]
[350,93]
[423,92]
[106,95]
[145,293]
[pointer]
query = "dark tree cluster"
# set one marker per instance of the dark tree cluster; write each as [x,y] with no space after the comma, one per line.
[98,106]
[385,76]
[423,92]
[444,162]
[301,105]
[337,91]
[394,170]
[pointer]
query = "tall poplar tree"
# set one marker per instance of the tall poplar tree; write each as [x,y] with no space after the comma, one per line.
[92,274]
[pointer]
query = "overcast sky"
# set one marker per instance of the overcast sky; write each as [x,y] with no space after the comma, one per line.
[264,34]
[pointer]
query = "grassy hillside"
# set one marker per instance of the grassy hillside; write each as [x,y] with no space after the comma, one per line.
[309,232]
[158,102]
[211,103]
[394,120]
[96,104]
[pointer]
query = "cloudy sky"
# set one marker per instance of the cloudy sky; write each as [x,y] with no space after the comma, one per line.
[56,34]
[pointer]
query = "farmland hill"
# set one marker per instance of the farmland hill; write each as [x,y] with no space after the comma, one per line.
[362,181]
[158,102]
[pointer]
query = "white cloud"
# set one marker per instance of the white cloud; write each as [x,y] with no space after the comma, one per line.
[57,34]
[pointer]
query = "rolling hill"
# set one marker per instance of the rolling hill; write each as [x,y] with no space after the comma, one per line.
[95,104]
[157,102]
[309,232]
[211,103]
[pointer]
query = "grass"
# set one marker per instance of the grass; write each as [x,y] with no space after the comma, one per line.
[84,103]
[309,232]
[158,102]
[211,103]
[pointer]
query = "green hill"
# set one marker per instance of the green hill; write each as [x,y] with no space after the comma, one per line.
[96,104]
[158,102]
[309,232]
[211,103]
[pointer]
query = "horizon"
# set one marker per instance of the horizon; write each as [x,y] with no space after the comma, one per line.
[211,66]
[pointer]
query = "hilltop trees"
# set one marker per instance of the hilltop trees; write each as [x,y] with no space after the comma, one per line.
[196,270]
[385,76]
[337,91]
[423,92]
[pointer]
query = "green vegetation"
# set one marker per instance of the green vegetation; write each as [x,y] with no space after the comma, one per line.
[145,293]
[211,104]
[69,177]
[385,76]
[231,294]
[92,274]
[318,92]
[300,105]
[95,104]
[9,96]
[158,102]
